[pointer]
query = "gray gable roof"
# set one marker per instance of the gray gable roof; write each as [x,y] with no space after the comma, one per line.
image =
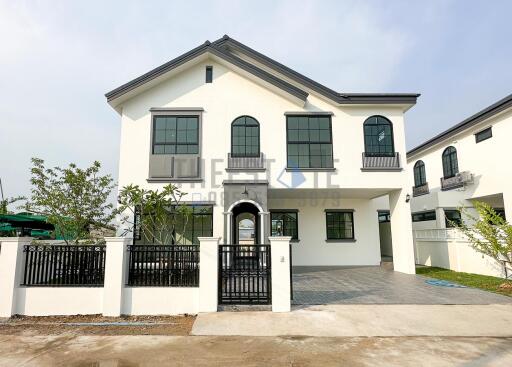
[480,116]
[222,47]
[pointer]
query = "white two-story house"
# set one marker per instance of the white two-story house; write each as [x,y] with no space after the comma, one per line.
[264,151]
[467,162]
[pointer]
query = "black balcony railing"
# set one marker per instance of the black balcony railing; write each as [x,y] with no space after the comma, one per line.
[163,266]
[64,266]
[420,190]
[391,162]
[246,163]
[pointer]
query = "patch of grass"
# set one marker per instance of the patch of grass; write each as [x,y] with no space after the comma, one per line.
[487,283]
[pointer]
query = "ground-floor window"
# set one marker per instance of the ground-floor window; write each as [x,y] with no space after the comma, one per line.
[384,216]
[424,216]
[284,223]
[340,224]
[452,218]
[185,229]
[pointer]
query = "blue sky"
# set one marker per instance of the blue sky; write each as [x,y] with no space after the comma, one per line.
[58,58]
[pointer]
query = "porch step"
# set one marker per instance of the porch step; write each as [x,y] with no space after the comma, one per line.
[386,265]
[243,308]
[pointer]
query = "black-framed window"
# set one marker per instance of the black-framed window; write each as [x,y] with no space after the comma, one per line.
[420,177]
[187,228]
[384,216]
[209,74]
[175,134]
[309,141]
[245,137]
[424,216]
[452,218]
[340,225]
[284,223]
[378,137]
[483,135]
[450,162]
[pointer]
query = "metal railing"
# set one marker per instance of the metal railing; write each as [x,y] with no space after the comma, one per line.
[451,183]
[248,163]
[244,274]
[438,234]
[163,266]
[381,162]
[420,190]
[64,265]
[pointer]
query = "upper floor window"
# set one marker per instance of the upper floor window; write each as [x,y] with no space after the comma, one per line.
[245,137]
[378,137]
[450,164]
[420,177]
[483,135]
[309,140]
[175,134]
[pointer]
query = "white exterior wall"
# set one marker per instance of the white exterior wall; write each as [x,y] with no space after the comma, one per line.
[313,249]
[160,300]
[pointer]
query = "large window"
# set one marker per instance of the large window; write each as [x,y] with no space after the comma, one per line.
[420,177]
[424,216]
[284,223]
[175,134]
[309,141]
[378,137]
[340,225]
[450,164]
[452,218]
[245,137]
[187,228]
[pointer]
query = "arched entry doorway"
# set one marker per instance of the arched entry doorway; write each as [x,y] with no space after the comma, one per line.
[245,223]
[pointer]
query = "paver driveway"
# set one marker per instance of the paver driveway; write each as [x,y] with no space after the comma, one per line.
[377,285]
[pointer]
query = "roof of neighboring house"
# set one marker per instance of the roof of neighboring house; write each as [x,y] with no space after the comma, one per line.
[223,48]
[480,116]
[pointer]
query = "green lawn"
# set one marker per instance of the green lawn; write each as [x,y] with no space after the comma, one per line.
[484,282]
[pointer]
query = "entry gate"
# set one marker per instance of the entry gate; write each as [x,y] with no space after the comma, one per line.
[244,274]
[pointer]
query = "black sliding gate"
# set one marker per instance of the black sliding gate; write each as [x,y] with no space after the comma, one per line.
[244,274]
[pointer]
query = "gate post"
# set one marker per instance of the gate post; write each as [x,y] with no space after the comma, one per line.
[11,272]
[208,273]
[281,280]
[115,275]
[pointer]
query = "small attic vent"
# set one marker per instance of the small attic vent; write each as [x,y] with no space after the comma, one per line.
[209,74]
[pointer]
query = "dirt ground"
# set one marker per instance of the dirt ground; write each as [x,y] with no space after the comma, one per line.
[74,325]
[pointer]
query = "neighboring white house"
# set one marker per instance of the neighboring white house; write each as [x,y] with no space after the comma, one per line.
[466,162]
[249,139]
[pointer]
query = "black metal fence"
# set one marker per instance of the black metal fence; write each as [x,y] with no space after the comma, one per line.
[63,265]
[244,274]
[163,266]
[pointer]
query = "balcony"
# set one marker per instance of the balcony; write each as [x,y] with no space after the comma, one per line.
[381,163]
[256,163]
[459,180]
[420,190]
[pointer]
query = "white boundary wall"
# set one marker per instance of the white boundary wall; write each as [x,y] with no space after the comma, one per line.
[115,298]
[446,248]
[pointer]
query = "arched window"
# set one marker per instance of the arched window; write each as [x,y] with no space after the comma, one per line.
[245,137]
[378,137]
[420,177]
[450,164]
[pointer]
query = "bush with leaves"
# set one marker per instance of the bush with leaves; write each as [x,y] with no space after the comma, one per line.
[75,200]
[157,215]
[489,233]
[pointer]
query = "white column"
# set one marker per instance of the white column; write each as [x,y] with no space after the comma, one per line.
[208,273]
[401,232]
[262,226]
[11,272]
[440,219]
[280,259]
[228,218]
[115,275]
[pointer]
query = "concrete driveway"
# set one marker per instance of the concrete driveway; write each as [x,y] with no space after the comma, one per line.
[377,285]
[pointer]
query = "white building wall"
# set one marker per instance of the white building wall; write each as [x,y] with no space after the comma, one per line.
[313,249]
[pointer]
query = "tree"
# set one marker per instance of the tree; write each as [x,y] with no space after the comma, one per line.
[489,233]
[74,200]
[4,203]
[157,215]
